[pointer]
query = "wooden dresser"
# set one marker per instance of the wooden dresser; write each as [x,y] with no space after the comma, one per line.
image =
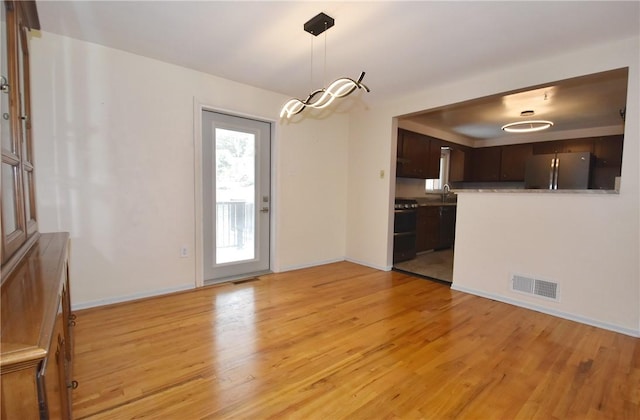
[36,360]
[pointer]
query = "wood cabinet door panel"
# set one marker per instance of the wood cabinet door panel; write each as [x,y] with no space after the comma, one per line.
[513,161]
[19,394]
[427,228]
[547,147]
[608,166]
[564,146]
[415,152]
[54,373]
[457,165]
[577,145]
[485,164]
[447,226]
[433,159]
[400,160]
[608,151]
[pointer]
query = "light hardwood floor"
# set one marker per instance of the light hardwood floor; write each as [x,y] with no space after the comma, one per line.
[346,341]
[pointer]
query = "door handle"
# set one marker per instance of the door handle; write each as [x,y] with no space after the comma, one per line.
[264,210]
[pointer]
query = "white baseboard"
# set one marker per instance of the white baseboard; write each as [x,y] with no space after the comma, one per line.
[308,265]
[366,264]
[548,311]
[135,296]
[317,263]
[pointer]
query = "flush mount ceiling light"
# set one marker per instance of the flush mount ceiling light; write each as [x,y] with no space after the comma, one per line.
[527,126]
[321,98]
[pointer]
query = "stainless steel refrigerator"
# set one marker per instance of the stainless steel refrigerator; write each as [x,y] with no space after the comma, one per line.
[558,171]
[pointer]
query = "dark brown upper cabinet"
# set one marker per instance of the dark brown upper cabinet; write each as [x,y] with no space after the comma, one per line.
[507,163]
[513,161]
[458,164]
[608,152]
[485,164]
[418,156]
[564,146]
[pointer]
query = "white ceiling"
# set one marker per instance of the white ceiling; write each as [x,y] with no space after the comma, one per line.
[400,45]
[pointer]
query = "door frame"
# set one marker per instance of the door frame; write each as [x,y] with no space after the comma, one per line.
[200,105]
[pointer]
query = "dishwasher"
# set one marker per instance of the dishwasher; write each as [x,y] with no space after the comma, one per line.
[447,226]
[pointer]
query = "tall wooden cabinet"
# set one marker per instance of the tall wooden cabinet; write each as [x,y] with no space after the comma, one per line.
[36,353]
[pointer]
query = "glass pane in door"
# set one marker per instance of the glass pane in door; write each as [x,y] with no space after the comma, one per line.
[5,129]
[28,183]
[22,103]
[235,195]
[9,199]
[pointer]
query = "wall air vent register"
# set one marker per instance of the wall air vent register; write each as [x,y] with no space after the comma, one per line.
[536,287]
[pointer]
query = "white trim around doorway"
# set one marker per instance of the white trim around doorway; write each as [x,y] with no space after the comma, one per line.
[200,105]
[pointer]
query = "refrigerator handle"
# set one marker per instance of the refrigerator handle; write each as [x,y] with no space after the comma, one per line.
[551,174]
[555,182]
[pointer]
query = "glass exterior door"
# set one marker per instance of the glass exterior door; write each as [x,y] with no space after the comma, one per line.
[236,183]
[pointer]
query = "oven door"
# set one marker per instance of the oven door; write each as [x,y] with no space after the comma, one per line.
[404,246]
[404,235]
[405,221]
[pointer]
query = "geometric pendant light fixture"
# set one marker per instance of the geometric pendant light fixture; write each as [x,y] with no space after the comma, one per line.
[322,98]
[528,126]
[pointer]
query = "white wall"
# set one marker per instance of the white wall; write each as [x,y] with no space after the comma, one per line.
[312,171]
[115,167]
[369,195]
[596,238]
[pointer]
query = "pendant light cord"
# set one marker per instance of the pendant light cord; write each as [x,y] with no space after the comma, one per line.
[324,70]
[311,74]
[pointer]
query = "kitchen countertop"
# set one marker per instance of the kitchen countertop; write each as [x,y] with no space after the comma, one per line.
[433,200]
[436,204]
[532,191]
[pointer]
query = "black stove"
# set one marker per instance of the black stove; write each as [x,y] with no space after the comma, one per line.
[405,203]
[404,229]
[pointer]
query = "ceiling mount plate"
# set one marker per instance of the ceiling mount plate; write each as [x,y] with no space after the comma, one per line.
[318,24]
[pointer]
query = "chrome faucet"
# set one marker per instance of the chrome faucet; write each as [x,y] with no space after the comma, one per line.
[445,192]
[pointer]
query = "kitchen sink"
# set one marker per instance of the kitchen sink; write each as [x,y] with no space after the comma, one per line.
[450,198]
[437,199]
